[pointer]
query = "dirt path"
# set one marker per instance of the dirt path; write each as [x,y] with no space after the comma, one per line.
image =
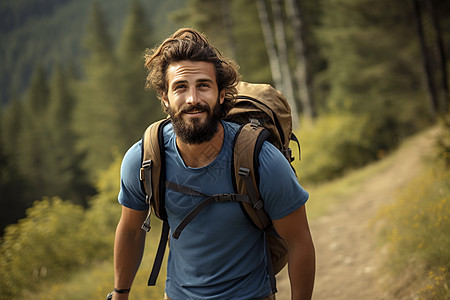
[345,245]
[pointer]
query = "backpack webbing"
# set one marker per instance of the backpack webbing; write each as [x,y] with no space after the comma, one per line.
[247,145]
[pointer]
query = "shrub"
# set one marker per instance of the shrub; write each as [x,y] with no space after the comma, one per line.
[57,236]
[332,145]
[44,245]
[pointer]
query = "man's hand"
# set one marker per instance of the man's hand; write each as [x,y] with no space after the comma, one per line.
[117,296]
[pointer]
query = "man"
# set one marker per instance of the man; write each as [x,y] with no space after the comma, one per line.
[220,254]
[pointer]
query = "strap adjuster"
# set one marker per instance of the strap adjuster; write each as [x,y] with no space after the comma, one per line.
[145,165]
[225,198]
[244,171]
[258,205]
[146,227]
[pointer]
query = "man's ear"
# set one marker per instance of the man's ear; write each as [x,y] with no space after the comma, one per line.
[222,96]
[165,99]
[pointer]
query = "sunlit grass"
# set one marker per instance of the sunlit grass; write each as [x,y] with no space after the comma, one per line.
[415,233]
[97,280]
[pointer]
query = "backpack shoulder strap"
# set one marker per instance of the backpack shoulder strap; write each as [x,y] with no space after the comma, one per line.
[151,167]
[151,173]
[247,145]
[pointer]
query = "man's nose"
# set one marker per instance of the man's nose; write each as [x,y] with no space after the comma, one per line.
[192,97]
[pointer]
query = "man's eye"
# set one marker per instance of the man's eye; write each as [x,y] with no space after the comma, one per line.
[179,86]
[204,85]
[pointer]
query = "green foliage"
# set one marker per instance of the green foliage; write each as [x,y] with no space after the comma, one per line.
[372,53]
[443,142]
[44,245]
[32,137]
[62,166]
[233,27]
[11,185]
[57,237]
[415,231]
[333,144]
[140,107]
[103,213]
[112,107]
[96,119]
[42,251]
[251,52]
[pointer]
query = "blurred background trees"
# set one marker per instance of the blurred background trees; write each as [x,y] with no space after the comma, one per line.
[383,65]
[360,75]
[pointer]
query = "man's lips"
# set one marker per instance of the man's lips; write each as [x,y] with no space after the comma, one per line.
[195,111]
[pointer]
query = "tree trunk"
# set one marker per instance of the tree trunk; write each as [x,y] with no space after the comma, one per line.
[303,73]
[280,36]
[442,59]
[434,104]
[269,40]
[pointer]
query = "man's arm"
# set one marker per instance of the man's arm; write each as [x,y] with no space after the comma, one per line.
[128,249]
[294,230]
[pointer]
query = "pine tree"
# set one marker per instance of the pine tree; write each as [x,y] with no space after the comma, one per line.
[97,117]
[12,185]
[63,162]
[371,54]
[137,106]
[11,125]
[33,136]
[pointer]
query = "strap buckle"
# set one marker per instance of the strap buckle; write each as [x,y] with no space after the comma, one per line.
[146,225]
[288,154]
[225,198]
[258,205]
[145,166]
[244,171]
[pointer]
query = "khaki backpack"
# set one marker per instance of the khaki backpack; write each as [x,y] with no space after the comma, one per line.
[265,115]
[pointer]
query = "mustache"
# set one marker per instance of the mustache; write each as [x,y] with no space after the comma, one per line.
[189,108]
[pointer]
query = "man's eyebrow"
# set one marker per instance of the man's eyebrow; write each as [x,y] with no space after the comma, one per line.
[182,81]
[178,82]
[205,80]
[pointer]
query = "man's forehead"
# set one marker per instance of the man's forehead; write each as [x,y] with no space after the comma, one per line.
[192,69]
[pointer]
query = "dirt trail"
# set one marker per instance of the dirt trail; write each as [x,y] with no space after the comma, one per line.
[345,245]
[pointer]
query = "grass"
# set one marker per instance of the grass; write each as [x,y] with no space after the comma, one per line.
[415,233]
[95,281]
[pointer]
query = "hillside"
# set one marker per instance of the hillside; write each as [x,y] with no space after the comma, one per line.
[347,260]
[339,212]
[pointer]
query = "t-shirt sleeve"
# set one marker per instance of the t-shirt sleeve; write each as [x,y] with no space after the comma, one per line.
[279,187]
[131,194]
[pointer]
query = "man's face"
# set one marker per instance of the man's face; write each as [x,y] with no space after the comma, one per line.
[193,100]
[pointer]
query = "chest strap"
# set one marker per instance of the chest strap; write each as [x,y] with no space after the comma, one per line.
[197,209]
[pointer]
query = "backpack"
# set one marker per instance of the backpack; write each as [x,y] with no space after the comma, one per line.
[264,114]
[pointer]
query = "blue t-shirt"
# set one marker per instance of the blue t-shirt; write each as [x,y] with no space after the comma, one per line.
[220,254]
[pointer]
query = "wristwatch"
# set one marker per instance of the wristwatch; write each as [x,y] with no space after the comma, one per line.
[120,291]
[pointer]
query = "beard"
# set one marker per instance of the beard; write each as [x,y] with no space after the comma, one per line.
[195,131]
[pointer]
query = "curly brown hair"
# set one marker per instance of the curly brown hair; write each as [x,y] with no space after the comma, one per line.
[189,44]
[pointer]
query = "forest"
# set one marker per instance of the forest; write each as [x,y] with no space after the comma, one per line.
[360,76]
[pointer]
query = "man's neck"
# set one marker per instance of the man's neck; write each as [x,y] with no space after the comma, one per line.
[200,155]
